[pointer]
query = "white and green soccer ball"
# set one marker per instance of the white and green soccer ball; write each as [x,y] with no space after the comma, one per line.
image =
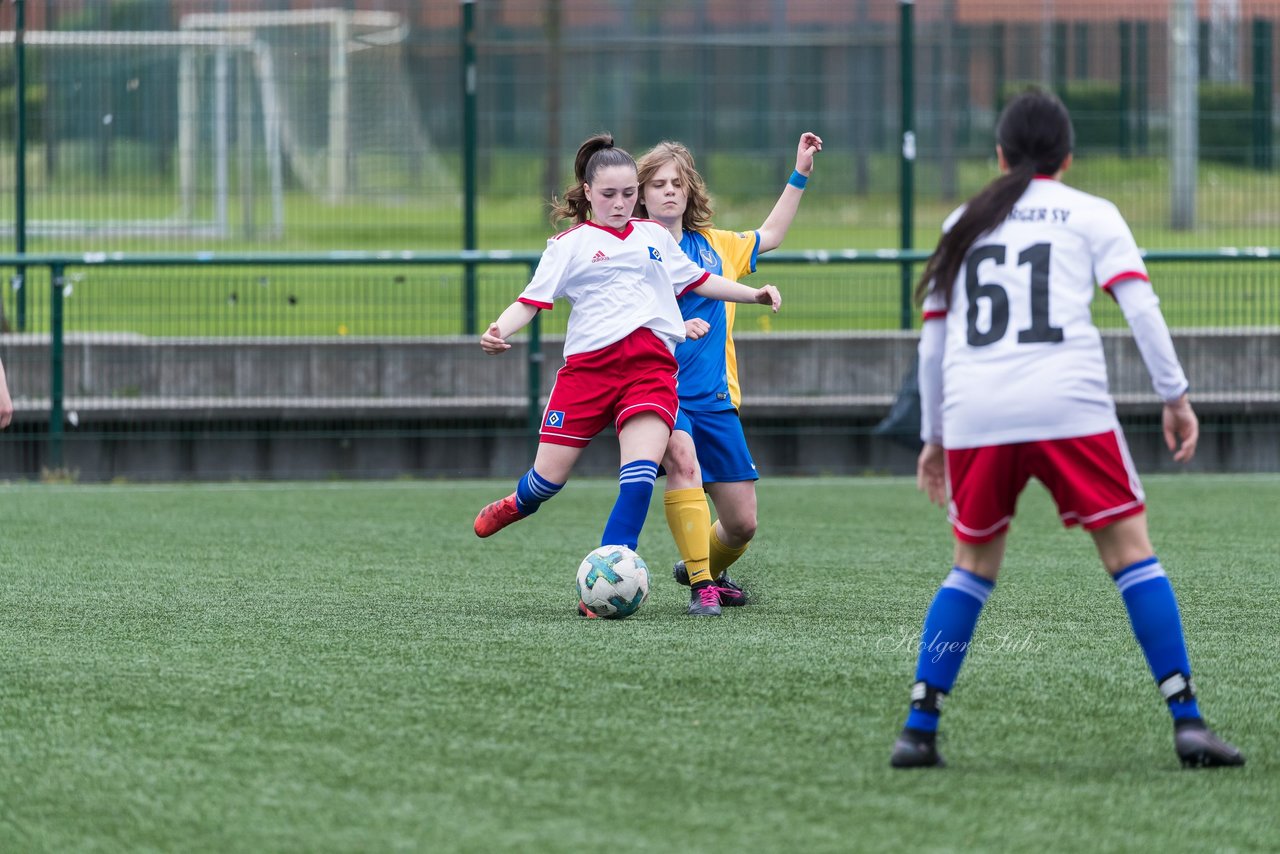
[613,582]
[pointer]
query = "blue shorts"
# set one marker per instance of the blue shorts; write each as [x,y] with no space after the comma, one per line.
[720,444]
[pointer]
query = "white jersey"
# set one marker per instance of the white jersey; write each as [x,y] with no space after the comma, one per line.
[616,282]
[1022,359]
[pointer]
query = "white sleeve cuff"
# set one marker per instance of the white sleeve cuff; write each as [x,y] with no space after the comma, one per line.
[933,339]
[1141,309]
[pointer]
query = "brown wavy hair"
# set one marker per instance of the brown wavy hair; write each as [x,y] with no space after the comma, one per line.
[595,154]
[697,213]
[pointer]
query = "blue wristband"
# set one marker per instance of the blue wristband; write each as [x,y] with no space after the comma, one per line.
[797,180]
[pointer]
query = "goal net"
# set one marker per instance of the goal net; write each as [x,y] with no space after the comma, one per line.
[200,132]
[350,127]
[149,134]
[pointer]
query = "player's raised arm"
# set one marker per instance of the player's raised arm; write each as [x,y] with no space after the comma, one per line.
[775,227]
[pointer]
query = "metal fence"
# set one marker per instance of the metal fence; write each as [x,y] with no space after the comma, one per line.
[178,125]
[252,141]
[123,352]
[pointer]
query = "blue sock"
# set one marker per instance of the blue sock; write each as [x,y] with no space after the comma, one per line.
[635,488]
[1153,613]
[948,631]
[532,490]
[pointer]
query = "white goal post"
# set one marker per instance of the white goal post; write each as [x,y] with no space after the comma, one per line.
[345,67]
[228,51]
[320,98]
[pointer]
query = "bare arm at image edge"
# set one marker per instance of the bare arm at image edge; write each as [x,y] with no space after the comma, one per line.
[6,403]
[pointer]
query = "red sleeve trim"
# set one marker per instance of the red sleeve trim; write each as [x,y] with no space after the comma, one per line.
[934,315]
[1120,277]
[567,230]
[706,275]
[545,306]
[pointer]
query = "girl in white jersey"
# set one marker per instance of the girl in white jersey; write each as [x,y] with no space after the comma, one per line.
[1013,386]
[621,277]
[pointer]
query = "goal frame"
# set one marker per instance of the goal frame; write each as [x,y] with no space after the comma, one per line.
[234,53]
[377,29]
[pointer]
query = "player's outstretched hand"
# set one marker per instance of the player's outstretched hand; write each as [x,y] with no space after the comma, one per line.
[1180,422]
[493,343]
[696,328]
[810,144]
[769,295]
[931,474]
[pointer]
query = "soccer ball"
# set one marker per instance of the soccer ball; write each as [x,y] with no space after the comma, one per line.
[613,582]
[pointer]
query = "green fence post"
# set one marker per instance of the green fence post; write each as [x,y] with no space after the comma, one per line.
[535,375]
[1262,87]
[57,281]
[964,50]
[469,161]
[1058,35]
[997,65]
[20,160]
[906,187]
[1080,45]
[1142,84]
[1126,85]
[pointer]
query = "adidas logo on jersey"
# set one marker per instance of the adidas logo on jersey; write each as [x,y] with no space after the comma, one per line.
[599,256]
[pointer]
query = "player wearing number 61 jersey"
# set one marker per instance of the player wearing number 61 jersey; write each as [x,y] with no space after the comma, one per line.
[1022,358]
[1013,386]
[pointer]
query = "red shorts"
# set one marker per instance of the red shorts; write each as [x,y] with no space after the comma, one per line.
[631,376]
[1091,479]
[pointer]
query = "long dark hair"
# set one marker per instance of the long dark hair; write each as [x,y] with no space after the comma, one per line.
[1035,134]
[595,154]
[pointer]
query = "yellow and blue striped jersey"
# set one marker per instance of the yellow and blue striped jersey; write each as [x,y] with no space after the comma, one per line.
[708,378]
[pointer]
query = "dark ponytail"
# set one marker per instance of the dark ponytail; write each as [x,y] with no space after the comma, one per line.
[1035,134]
[595,154]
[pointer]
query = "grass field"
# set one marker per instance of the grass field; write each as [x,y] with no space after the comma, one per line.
[345,667]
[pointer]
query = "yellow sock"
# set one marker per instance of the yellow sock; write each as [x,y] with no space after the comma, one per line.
[689,519]
[723,557]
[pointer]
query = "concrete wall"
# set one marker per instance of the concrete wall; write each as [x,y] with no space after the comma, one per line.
[296,408]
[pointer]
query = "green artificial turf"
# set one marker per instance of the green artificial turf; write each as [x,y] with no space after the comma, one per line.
[345,667]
